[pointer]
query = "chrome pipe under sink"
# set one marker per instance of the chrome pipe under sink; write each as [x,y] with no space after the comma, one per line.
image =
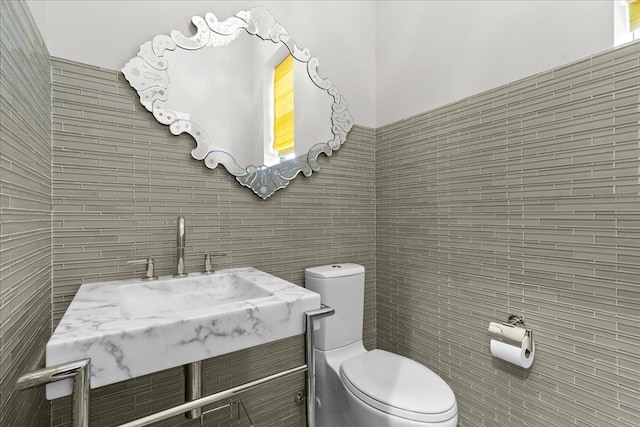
[193,387]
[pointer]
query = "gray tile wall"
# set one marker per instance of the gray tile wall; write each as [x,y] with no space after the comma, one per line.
[524,199]
[119,181]
[25,212]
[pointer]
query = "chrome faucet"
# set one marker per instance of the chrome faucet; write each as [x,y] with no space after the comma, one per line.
[207,261]
[180,246]
[150,274]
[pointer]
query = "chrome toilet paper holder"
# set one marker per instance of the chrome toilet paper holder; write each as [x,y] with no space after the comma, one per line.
[512,332]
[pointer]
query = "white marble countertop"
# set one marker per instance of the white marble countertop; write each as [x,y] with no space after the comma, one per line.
[130,328]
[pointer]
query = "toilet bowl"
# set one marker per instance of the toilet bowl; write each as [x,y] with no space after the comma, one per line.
[356,387]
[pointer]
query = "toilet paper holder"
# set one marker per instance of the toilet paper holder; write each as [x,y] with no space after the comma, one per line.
[512,332]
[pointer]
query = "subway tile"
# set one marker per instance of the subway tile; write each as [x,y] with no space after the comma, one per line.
[25,189]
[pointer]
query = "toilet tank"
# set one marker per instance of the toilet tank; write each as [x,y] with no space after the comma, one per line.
[341,287]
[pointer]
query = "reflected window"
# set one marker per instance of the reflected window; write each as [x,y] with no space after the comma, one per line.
[634,15]
[626,15]
[284,127]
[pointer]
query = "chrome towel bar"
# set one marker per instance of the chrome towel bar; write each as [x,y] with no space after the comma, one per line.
[79,371]
[212,398]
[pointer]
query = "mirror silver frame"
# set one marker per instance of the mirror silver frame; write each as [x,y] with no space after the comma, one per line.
[147,73]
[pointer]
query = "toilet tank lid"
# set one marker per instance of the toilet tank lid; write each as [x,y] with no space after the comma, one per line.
[334,270]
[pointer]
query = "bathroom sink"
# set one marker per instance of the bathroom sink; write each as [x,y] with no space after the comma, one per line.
[173,296]
[130,328]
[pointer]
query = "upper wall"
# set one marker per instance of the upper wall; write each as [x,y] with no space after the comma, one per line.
[429,54]
[448,50]
[107,34]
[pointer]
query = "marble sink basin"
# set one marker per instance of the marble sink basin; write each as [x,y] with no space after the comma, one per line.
[187,297]
[130,328]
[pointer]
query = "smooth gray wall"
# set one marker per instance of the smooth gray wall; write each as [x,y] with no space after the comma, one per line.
[432,53]
[524,199]
[120,179]
[25,212]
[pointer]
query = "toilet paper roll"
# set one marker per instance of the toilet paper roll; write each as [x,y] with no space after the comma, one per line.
[517,355]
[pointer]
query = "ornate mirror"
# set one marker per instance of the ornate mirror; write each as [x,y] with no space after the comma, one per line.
[255,105]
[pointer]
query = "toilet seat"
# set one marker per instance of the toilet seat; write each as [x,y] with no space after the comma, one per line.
[399,386]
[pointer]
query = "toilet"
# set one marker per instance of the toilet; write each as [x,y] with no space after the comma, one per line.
[356,387]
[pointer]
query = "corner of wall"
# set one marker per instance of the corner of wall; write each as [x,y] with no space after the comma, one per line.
[25,230]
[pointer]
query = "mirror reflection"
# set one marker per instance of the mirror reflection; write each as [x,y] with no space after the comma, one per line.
[252,100]
[262,109]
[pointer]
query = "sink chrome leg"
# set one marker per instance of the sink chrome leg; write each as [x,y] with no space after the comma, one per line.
[80,397]
[193,387]
[310,317]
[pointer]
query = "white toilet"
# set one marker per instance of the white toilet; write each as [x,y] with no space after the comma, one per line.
[356,387]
